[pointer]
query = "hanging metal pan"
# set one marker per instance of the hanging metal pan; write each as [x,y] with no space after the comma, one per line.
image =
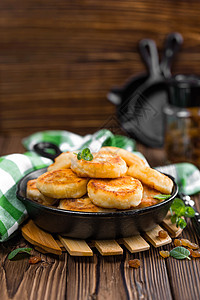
[140,112]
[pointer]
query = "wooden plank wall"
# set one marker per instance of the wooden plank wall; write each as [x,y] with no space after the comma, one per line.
[59,58]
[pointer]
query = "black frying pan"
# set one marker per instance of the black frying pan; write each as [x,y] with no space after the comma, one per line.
[144,106]
[118,95]
[87,225]
[141,106]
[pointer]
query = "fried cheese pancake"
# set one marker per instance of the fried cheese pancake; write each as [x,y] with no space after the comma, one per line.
[63,161]
[34,194]
[81,204]
[127,156]
[62,183]
[148,197]
[152,178]
[103,165]
[120,193]
[139,170]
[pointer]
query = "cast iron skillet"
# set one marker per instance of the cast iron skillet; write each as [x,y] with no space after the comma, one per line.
[87,225]
[141,100]
[118,95]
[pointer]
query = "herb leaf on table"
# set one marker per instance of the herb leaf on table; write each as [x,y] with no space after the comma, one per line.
[19,250]
[180,253]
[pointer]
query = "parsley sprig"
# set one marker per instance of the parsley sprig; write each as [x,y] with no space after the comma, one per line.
[178,211]
[85,154]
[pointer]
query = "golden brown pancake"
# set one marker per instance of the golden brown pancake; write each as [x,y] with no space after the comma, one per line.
[139,170]
[119,193]
[103,165]
[81,204]
[63,161]
[151,178]
[34,194]
[62,183]
[129,157]
[85,204]
[148,197]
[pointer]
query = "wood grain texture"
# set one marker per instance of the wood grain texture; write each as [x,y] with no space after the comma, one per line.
[19,280]
[60,58]
[76,247]
[150,281]
[171,228]
[108,247]
[136,244]
[153,237]
[82,278]
[34,235]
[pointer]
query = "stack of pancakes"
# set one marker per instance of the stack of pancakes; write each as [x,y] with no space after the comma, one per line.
[113,179]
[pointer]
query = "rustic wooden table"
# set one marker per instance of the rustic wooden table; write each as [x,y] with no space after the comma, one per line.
[97,277]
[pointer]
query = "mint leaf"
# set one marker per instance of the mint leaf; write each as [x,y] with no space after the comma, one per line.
[86,151]
[79,156]
[181,211]
[85,154]
[189,212]
[177,204]
[181,223]
[162,197]
[180,253]
[174,219]
[19,250]
[178,210]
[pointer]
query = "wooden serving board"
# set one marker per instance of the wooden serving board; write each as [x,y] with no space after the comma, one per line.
[45,243]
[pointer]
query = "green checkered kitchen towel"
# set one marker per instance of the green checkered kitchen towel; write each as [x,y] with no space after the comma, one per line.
[14,166]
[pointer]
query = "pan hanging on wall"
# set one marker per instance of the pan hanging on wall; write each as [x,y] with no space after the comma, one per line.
[141,100]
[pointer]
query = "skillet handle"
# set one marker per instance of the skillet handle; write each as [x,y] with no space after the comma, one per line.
[149,53]
[173,43]
[43,147]
[115,95]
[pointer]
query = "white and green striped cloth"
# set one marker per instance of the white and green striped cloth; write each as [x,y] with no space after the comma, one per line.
[14,166]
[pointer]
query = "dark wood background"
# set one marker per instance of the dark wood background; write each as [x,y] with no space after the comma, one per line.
[59,58]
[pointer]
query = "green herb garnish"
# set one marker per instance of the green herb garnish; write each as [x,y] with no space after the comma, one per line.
[19,250]
[180,253]
[85,154]
[189,212]
[79,156]
[178,211]
[162,197]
